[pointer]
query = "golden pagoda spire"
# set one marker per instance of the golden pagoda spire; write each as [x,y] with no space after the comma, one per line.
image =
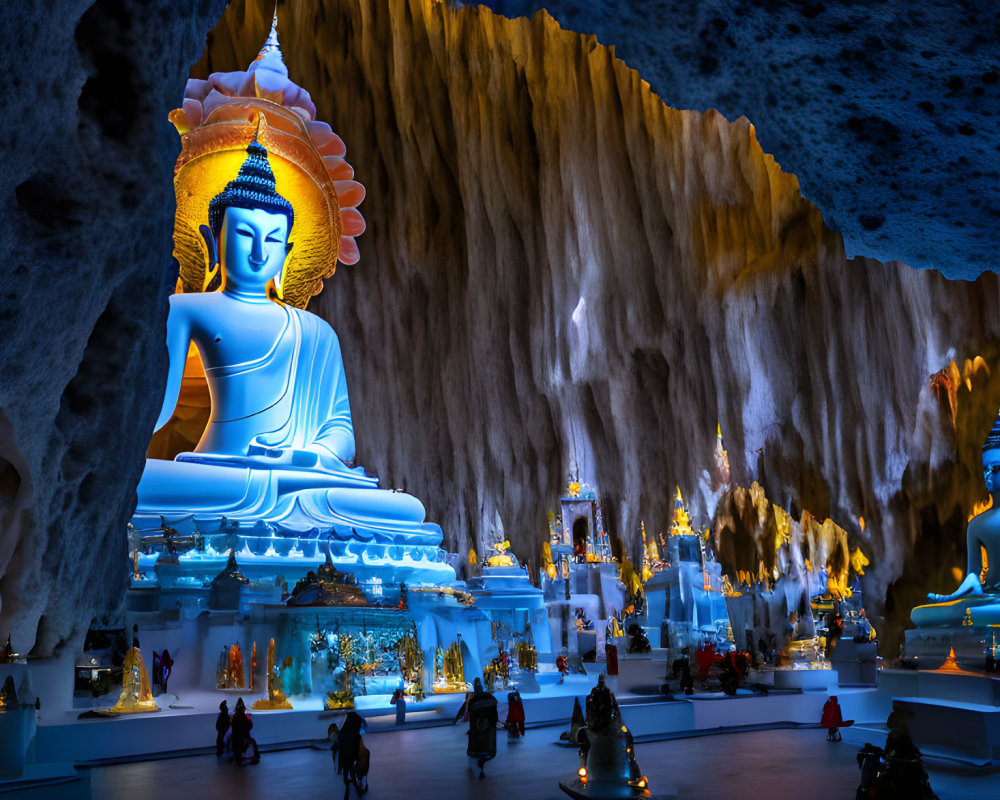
[682,522]
[647,566]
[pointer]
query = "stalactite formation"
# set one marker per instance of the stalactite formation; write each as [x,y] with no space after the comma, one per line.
[560,273]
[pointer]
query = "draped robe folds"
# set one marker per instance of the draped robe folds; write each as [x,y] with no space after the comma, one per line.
[279,458]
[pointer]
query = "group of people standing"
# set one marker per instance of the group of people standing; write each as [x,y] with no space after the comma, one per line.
[233,734]
[351,757]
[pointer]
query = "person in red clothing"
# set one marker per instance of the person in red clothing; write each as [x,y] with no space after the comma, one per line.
[515,715]
[833,720]
[562,666]
[705,656]
[242,740]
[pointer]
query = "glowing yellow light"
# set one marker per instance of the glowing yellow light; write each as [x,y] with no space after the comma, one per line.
[642,782]
[980,507]
[212,154]
[859,561]
[582,772]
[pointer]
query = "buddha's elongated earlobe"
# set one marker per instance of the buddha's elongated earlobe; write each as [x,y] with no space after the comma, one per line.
[281,274]
[212,267]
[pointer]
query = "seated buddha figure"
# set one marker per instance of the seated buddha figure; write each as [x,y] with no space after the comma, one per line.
[977,599]
[279,444]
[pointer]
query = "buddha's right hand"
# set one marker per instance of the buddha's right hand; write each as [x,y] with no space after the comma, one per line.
[285,457]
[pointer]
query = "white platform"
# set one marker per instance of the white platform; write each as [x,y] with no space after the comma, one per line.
[956,716]
[806,680]
[968,732]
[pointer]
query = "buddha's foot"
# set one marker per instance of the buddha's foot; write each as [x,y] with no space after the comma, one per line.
[970,587]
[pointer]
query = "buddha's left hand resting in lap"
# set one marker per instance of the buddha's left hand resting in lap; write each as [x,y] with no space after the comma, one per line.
[279,445]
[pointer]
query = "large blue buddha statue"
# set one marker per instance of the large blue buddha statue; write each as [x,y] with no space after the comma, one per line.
[977,600]
[279,444]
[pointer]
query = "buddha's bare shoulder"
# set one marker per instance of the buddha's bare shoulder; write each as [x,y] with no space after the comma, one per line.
[314,321]
[986,523]
[187,301]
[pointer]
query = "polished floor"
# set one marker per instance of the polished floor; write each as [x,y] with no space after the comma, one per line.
[431,763]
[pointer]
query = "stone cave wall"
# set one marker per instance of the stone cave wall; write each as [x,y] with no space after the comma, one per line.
[559,273]
[85,270]
[562,273]
[886,112]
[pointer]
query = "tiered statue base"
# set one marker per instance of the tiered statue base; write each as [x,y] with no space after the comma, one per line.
[952,713]
[292,557]
[276,703]
[142,707]
[973,609]
[930,646]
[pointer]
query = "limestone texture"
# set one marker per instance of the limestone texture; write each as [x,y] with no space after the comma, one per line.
[560,274]
[85,270]
[886,111]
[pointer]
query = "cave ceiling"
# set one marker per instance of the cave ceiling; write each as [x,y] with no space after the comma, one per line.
[888,113]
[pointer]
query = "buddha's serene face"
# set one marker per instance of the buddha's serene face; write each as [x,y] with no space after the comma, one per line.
[991,470]
[253,245]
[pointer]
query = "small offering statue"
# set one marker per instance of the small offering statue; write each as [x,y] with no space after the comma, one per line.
[8,694]
[136,696]
[608,768]
[275,699]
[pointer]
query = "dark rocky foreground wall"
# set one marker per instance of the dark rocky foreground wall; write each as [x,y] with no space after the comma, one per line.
[559,271]
[86,204]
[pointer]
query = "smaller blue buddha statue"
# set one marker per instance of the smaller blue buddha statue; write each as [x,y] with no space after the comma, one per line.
[977,599]
[279,445]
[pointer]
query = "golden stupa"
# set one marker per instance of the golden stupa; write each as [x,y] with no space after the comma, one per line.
[136,696]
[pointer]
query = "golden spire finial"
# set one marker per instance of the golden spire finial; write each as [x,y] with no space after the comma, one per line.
[682,522]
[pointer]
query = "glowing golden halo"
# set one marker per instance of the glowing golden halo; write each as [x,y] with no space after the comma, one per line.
[211,156]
